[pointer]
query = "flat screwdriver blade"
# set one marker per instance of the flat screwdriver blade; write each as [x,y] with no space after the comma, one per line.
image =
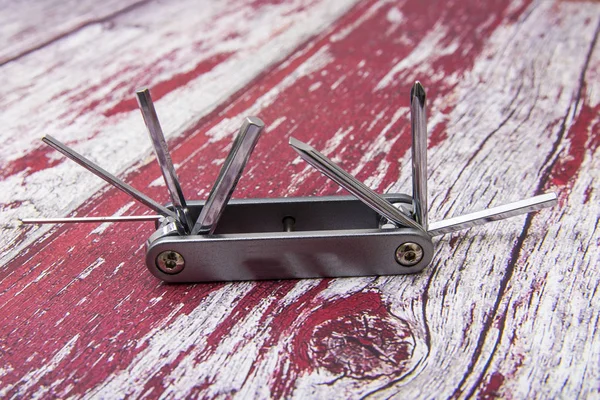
[229,176]
[351,184]
[493,214]
[163,157]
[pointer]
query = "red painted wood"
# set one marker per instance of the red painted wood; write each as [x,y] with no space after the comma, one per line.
[81,316]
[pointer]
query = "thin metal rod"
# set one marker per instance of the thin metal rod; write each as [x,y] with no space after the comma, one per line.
[131,218]
[418,119]
[229,176]
[107,176]
[493,214]
[163,157]
[288,224]
[351,184]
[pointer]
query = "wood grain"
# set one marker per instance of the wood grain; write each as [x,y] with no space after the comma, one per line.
[509,310]
[97,110]
[29,26]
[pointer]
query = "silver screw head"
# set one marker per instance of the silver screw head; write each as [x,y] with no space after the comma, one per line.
[409,254]
[170,262]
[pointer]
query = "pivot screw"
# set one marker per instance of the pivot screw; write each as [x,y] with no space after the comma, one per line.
[409,254]
[170,262]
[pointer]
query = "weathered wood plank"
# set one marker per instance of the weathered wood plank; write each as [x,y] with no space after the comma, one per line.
[508,310]
[81,91]
[29,26]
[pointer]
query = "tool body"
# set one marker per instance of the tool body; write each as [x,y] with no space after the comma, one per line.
[291,237]
[333,237]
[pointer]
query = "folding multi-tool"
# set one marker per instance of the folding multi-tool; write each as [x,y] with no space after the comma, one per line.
[291,237]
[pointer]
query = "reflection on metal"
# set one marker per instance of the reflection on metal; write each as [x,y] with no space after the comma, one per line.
[229,176]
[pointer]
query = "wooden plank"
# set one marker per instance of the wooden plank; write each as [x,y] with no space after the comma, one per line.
[508,310]
[29,26]
[192,71]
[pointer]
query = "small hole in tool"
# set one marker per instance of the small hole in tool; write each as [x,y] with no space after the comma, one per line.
[288,224]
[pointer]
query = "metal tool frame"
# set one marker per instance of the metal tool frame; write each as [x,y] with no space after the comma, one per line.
[289,238]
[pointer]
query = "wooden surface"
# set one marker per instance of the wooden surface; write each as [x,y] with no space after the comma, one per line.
[506,310]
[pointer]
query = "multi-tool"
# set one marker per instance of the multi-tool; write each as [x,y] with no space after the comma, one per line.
[291,237]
